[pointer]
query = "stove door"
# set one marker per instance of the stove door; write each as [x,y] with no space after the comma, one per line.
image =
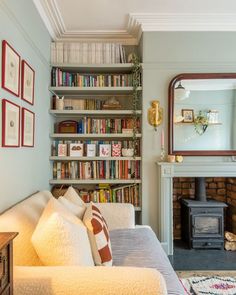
[207,226]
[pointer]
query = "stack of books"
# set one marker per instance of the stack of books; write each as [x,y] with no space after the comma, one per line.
[87,53]
[109,169]
[63,78]
[106,194]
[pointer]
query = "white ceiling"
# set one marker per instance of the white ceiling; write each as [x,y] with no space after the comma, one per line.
[125,20]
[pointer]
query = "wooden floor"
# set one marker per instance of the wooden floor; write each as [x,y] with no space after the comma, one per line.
[185,259]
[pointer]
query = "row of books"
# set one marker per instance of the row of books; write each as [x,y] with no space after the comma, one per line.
[87,53]
[88,125]
[111,169]
[91,148]
[80,103]
[106,194]
[62,78]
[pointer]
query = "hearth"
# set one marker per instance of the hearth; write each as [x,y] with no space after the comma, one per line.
[202,220]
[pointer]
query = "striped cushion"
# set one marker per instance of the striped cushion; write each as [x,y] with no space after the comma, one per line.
[98,235]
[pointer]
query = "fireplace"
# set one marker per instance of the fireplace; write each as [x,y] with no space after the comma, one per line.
[202,220]
[224,173]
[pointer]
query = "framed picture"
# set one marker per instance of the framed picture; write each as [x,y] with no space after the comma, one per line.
[27,83]
[28,126]
[188,115]
[10,69]
[10,124]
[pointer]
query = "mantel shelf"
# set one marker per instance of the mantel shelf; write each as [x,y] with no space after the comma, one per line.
[64,90]
[92,112]
[68,158]
[106,136]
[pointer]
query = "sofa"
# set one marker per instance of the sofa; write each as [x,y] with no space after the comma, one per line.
[140,266]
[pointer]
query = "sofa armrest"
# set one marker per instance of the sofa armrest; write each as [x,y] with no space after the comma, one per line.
[118,215]
[76,280]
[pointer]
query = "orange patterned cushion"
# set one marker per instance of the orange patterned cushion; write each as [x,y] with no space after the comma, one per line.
[98,235]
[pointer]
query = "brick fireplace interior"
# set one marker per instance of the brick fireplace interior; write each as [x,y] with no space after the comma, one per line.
[217,188]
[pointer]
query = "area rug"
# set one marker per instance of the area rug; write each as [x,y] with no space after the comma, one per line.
[213,285]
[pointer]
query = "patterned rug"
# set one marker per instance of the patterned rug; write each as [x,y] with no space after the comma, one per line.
[214,285]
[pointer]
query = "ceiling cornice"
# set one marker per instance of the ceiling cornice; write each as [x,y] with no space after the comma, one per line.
[137,23]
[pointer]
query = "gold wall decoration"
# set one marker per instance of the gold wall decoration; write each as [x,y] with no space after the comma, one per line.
[155,114]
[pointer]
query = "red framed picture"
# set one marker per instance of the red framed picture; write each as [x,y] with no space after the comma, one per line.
[10,69]
[28,126]
[10,124]
[27,82]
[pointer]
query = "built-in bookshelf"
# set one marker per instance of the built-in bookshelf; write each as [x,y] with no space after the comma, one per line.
[87,90]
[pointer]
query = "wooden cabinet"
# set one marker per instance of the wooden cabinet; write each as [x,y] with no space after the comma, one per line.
[6,263]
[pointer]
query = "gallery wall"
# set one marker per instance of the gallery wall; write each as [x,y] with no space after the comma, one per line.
[26,170]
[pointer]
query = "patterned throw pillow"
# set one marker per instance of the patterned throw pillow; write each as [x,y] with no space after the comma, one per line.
[98,235]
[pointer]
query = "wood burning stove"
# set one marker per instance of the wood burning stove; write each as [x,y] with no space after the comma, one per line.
[202,220]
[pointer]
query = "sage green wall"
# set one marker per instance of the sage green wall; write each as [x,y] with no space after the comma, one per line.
[26,170]
[166,54]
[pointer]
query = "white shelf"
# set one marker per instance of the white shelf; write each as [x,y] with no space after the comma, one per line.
[56,158]
[77,135]
[94,181]
[63,90]
[95,68]
[92,112]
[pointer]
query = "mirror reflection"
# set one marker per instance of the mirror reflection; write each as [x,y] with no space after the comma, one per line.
[204,115]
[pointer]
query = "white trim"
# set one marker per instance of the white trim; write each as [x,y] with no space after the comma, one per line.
[137,23]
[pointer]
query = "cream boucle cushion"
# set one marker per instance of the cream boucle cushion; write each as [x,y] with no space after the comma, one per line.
[75,209]
[56,235]
[72,196]
[98,235]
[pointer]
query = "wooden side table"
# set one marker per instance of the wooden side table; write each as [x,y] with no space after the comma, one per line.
[6,263]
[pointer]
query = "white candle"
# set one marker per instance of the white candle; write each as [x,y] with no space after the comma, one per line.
[162,139]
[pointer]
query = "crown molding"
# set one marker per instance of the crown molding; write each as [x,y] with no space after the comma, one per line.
[136,25]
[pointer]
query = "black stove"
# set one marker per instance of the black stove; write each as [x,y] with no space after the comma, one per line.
[202,220]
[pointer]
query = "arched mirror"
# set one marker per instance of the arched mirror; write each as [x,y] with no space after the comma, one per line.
[202,114]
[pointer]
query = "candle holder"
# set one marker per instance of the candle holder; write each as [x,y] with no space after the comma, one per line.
[163,154]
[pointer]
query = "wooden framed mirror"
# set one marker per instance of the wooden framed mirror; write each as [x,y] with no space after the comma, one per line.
[202,114]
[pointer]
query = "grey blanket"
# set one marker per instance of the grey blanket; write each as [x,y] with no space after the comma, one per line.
[139,247]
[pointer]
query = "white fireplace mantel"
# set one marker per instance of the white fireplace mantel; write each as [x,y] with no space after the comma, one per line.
[166,172]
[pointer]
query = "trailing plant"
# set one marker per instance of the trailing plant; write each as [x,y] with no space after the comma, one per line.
[201,123]
[136,97]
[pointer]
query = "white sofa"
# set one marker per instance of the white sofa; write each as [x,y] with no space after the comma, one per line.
[32,278]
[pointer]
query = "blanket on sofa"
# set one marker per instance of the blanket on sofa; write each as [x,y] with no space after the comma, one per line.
[139,247]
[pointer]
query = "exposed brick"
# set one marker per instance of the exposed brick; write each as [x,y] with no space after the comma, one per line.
[231,180]
[175,198]
[221,184]
[221,191]
[186,185]
[220,198]
[229,186]
[176,205]
[208,179]
[221,179]
[212,185]
[211,192]
[177,185]
[176,212]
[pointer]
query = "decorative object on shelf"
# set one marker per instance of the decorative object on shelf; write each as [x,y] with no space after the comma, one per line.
[213,116]
[104,150]
[127,152]
[91,150]
[188,115]
[28,127]
[116,149]
[201,123]
[59,103]
[111,104]
[179,158]
[67,126]
[171,158]
[62,150]
[27,83]
[10,124]
[76,150]
[10,69]
[155,114]
[180,92]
